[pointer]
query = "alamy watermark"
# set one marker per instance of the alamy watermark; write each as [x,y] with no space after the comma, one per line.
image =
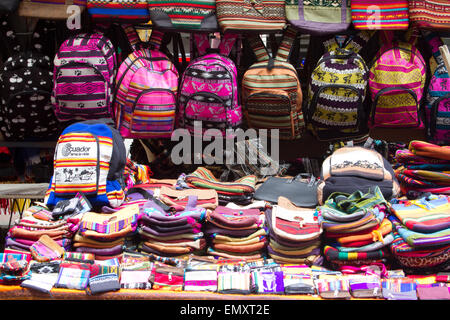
[237,146]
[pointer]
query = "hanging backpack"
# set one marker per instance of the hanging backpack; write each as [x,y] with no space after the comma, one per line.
[271,91]
[146,89]
[90,159]
[319,17]
[209,88]
[337,90]
[396,81]
[26,111]
[437,102]
[85,68]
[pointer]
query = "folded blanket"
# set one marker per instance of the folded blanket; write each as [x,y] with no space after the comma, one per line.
[212,229]
[242,256]
[332,254]
[417,239]
[426,149]
[405,156]
[182,236]
[416,257]
[426,214]
[202,178]
[101,251]
[375,234]
[241,248]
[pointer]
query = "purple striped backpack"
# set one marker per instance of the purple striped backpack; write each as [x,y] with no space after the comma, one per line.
[83,77]
[209,89]
[437,103]
[146,89]
[396,82]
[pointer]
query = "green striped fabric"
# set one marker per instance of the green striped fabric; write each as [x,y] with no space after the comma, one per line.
[204,179]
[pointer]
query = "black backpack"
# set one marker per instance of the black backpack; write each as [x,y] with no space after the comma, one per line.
[26,78]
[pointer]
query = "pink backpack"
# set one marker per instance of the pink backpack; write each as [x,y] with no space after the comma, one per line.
[146,89]
[396,82]
[83,77]
[209,88]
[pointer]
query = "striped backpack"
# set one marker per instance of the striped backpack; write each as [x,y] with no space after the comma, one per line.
[437,103]
[209,88]
[337,90]
[90,158]
[271,91]
[83,77]
[146,89]
[396,81]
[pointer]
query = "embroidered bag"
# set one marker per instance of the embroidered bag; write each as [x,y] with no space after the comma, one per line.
[247,15]
[319,17]
[396,82]
[46,249]
[271,91]
[104,283]
[298,279]
[83,77]
[202,278]
[429,14]
[90,158]
[73,276]
[234,278]
[437,105]
[209,89]
[380,15]
[146,88]
[197,15]
[337,90]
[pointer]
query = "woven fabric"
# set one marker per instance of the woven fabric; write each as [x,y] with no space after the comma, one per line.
[426,214]
[73,276]
[146,89]
[418,239]
[202,178]
[433,14]
[200,280]
[134,11]
[261,15]
[337,90]
[272,96]
[186,15]
[319,17]
[380,15]
[396,81]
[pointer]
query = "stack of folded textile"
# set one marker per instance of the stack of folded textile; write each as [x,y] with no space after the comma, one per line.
[421,233]
[171,234]
[423,167]
[37,221]
[356,228]
[294,233]
[104,234]
[240,191]
[237,232]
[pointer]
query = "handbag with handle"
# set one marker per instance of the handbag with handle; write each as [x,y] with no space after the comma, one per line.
[300,190]
[42,9]
[319,17]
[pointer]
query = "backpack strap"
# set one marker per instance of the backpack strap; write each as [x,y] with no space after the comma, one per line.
[227,42]
[284,50]
[434,41]
[354,42]
[259,48]
[132,35]
[202,43]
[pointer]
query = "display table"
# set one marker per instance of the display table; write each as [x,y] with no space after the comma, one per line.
[14,292]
